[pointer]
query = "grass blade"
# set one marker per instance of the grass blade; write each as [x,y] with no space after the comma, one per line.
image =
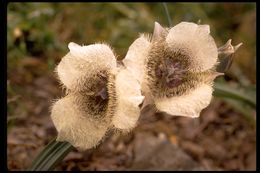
[51,155]
[167,14]
[43,154]
[223,90]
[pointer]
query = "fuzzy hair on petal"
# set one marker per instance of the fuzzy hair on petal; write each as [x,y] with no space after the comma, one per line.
[74,125]
[129,98]
[196,41]
[189,105]
[136,57]
[78,67]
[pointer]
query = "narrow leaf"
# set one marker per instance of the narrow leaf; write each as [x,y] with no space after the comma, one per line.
[51,155]
[223,90]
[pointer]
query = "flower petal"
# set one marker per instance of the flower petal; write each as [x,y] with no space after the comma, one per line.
[136,57]
[189,105]
[129,98]
[196,41]
[75,124]
[82,63]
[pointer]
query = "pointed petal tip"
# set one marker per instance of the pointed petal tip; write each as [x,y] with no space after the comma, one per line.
[158,30]
[217,74]
[73,45]
[156,23]
[237,46]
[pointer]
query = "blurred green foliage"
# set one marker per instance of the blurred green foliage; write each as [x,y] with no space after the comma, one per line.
[38,29]
[38,33]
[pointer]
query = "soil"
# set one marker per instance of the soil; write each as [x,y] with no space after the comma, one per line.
[220,139]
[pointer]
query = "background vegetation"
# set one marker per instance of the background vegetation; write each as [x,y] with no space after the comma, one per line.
[38,35]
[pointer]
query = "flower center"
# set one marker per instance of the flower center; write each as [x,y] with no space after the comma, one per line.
[98,100]
[170,72]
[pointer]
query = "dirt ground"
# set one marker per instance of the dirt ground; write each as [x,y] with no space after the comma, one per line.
[221,139]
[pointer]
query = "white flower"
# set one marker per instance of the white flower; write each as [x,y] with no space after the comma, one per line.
[100,96]
[82,64]
[176,68]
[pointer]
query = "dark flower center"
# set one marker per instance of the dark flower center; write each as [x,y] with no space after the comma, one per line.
[98,101]
[171,72]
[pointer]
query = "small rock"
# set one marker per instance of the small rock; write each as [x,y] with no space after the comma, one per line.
[156,153]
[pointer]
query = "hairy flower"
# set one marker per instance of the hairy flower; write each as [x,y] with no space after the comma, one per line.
[176,67]
[100,96]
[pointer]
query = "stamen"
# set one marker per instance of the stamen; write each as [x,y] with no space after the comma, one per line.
[171,73]
[102,93]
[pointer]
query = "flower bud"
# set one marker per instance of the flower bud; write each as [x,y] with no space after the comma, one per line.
[225,55]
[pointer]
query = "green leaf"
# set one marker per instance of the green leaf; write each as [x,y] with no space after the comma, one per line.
[50,156]
[223,90]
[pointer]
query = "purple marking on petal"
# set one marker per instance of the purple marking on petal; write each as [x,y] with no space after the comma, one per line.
[171,73]
[102,93]
[159,72]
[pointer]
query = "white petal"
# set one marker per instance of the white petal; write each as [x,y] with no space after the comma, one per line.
[74,125]
[76,50]
[197,42]
[189,105]
[83,62]
[136,57]
[158,31]
[128,100]
[204,28]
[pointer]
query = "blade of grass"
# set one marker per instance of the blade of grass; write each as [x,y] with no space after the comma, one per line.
[223,90]
[46,162]
[56,157]
[43,154]
[167,14]
[51,155]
